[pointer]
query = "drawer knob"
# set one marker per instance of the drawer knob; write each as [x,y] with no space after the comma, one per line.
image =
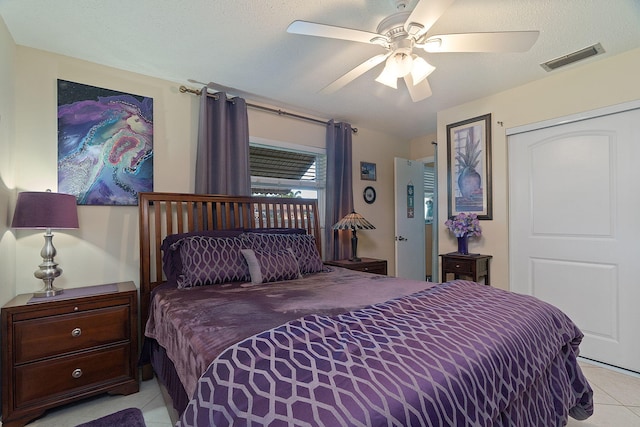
[76,332]
[457,265]
[77,373]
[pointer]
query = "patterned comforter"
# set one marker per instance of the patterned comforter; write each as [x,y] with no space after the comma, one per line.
[195,325]
[456,354]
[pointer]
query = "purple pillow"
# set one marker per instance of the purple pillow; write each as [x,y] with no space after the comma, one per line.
[211,260]
[171,262]
[276,230]
[303,246]
[271,266]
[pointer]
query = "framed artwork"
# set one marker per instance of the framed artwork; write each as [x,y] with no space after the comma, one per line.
[368,171]
[105,144]
[469,167]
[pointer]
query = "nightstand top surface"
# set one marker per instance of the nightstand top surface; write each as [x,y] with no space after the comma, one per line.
[467,256]
[363,260]
[73,293]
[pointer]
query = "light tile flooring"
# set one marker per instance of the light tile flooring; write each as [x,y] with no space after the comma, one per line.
[148,399]
[616,397]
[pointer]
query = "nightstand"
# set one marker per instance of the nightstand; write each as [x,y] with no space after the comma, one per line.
[368,265]
[473,266]
[60,349]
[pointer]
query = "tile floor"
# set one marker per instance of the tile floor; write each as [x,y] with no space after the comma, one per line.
[616,397]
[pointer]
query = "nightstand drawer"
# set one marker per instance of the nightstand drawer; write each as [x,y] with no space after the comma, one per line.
[375,269]
[367,265]
[56,335]
[50,378]
[458,266]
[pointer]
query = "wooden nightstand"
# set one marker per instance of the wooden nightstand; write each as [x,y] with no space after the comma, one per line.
[74,345]
[368,265]
[474,266]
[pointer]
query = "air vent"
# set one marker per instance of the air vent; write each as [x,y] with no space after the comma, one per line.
[576,56]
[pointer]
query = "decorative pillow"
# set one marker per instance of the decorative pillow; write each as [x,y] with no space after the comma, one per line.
[271,266]
[276,230]
[210,260]
[171,262]
[303,246]
[306,251]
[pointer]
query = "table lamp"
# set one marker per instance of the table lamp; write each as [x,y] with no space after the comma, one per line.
[46,210]
[352,222]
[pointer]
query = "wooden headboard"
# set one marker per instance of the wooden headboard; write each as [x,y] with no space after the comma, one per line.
[162,214]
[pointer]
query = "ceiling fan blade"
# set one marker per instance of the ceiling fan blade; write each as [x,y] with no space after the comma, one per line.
[355,73]
[418,92]
[506,41]
[424,15]
[334,32]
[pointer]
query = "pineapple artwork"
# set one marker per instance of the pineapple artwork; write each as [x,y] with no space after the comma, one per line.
[468,160]
[469,167]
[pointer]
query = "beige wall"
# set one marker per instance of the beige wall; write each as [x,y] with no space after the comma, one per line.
[7,193]
[578,88]
[105,248]
[422,146]
[378,148]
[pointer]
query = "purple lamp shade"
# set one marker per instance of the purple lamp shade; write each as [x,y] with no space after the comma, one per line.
[45,210]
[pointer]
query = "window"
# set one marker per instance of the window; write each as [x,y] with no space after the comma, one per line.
[287,170]
[429,189]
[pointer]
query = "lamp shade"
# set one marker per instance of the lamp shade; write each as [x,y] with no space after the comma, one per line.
[353,221]
[45,210]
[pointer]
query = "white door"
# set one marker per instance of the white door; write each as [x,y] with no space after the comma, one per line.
[574,233]
[409,199]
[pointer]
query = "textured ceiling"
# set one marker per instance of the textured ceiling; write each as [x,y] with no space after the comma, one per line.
[243,44]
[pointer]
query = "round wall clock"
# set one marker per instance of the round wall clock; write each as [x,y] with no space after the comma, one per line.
[369,195]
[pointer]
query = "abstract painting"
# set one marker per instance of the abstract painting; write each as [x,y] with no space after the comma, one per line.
[105,144]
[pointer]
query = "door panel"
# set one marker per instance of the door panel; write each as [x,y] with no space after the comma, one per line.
[410,261]
[573,228]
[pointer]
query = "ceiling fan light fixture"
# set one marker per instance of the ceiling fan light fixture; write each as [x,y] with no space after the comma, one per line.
[400,63]
[421,69]
[388,78]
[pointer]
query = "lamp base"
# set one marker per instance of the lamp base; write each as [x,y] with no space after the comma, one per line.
[355,259]
[49,269]
[48,292]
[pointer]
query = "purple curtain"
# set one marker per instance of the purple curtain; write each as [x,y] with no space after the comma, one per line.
[339,189]
[222,163]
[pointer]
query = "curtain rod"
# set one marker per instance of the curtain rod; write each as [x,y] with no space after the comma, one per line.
[184,89]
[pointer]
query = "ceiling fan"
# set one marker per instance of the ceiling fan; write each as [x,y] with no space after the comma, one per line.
[402,32]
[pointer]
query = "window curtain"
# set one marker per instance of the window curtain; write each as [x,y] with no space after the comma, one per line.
[222,163]
[339,196]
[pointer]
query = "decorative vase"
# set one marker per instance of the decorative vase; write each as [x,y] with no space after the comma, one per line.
[463,245]
[469,182]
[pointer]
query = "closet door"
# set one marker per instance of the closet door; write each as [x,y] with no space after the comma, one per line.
[574,227]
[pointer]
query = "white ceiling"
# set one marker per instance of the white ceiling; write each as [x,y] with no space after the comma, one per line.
[243,44]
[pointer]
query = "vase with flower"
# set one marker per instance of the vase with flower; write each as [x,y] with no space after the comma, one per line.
[463,226]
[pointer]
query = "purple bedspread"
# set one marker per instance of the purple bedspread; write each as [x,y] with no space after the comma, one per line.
[195,325]
[457,354]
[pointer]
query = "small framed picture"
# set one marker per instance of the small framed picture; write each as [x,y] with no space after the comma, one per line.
[368,171]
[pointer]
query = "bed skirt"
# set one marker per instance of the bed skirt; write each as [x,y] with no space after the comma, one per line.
[165,371]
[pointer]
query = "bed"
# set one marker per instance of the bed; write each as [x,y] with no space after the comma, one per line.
[244,325]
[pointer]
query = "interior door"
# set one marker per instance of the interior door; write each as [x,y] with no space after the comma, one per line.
[409,219]
[574,229]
